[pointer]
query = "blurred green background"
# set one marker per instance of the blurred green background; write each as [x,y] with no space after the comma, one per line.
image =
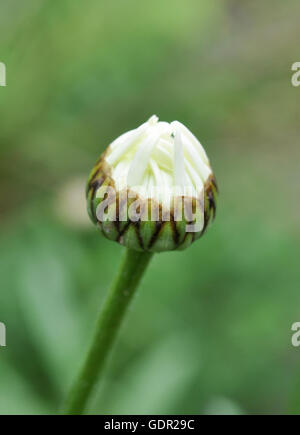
[210,329]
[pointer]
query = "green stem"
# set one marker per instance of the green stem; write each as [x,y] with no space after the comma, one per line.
[108,325]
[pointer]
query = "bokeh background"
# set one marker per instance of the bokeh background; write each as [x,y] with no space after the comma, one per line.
[210,330]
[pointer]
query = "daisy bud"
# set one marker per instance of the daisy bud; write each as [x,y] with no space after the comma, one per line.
[153,188]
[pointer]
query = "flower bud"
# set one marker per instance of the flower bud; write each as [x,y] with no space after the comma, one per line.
[153,188]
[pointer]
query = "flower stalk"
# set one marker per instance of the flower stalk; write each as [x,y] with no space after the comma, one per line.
[159,164]
[110,320]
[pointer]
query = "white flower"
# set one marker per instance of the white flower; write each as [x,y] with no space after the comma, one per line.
[158,157]
[161,165]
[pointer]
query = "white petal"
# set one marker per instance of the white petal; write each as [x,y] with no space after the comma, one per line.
[196,179]
[141,158]
[203,170]
[127,142]
[189,135]
[179,171]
